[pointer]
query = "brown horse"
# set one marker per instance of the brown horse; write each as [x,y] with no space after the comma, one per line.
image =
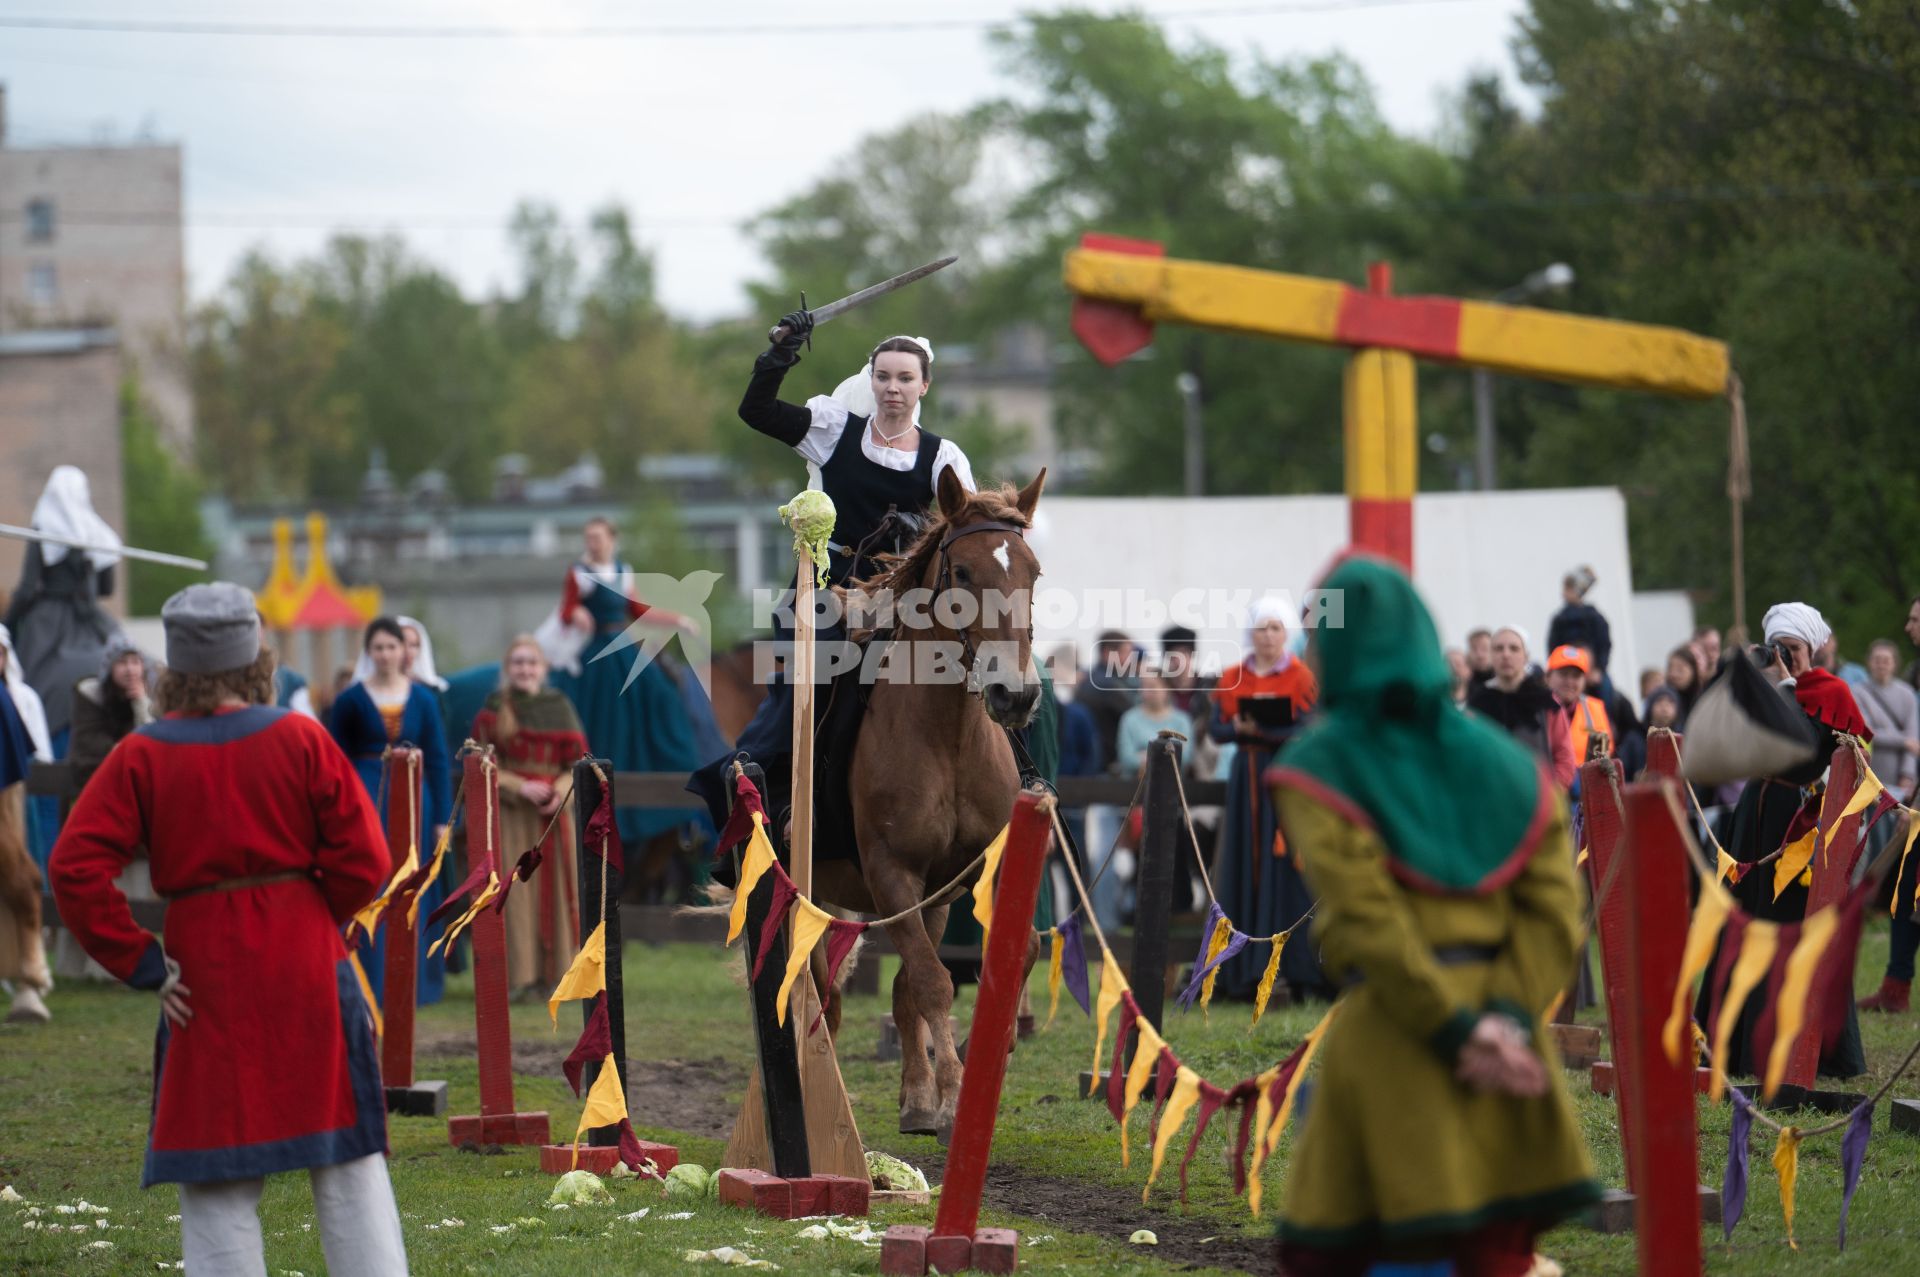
[933,775]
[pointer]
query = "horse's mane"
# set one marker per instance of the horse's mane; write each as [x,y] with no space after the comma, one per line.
[906,570]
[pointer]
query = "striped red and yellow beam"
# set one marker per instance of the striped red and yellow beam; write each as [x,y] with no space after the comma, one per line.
[1518,340]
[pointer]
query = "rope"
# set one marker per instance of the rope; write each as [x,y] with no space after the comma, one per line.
[1206,879]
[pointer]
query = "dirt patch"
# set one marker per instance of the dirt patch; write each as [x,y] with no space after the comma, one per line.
[1099,1211]
[681,1095]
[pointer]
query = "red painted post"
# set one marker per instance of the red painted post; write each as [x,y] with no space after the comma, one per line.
[1663,1151]
[1604,825]
[399,985]
[497,1123]
[991,1037]
[1834,853]
[1663,755]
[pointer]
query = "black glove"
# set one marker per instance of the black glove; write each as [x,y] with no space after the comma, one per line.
[799,326]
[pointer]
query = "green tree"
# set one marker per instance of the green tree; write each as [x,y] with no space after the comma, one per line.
[163,506]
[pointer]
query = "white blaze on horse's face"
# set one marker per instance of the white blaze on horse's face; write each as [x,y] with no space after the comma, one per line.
[1001,557]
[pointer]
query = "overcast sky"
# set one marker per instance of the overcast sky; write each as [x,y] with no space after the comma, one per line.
[438,138]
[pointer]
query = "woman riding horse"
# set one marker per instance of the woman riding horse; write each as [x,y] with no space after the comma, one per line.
[864,447]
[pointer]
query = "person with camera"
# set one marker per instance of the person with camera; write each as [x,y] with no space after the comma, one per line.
[1778,812]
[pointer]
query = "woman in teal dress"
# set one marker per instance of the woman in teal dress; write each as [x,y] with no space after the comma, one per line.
[384,709]
[639,725]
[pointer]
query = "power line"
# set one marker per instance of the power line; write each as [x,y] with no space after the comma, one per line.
[626,31]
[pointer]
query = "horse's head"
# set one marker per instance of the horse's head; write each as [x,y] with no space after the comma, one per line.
[982,578]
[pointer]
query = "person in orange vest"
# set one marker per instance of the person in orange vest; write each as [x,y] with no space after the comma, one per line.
[1567,670]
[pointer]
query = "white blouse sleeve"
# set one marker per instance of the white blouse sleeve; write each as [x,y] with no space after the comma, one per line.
[823,436]
[950,455]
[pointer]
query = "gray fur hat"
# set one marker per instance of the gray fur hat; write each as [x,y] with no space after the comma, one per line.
[211,628]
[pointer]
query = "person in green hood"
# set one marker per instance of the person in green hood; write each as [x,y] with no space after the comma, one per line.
[1439,1127]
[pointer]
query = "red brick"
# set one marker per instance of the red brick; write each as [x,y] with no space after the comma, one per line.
[531,1128]
[903,1251]
[949,1254]
[809,1197]
[996,1250]
[757,1190]
[1602,1077]
[557,1159]
[846,1194]
[664,1156]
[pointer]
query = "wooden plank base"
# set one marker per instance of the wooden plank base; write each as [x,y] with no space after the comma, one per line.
[1614,1215]
[1602,1078]
[422,1099]
[1580,1045]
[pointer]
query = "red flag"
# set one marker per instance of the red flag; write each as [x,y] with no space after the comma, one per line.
[1211,1099]
[1162,1087]
[1117,1073]
[475,880]
[840,937]
[784,894]
[595,1044]
[1247,1095]
[739,826]
[523,870]
[603,834]
[630,1154]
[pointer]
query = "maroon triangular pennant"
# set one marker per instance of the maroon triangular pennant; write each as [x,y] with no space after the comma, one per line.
[739,826]
[1117,1073]
[595,1044]
[1162,1087]
[630,1154]
[1833,978]
[1730,942]
[602,837]
[841,935]
[784,894]
[457,897]
[1246,1094]
[1211,1098]
[523,871]
[1768,1024]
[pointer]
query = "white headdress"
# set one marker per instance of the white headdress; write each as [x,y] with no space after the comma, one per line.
[1796,620]
[32,713]
[422,671]
[65,509]
[856,392]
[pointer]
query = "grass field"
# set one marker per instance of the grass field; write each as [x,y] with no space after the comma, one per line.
[73,1099]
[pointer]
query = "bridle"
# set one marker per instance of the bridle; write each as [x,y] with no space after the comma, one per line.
[943,581]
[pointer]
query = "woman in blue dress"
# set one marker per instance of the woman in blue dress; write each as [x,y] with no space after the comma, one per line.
[864,446]
[386,708]
[637,721]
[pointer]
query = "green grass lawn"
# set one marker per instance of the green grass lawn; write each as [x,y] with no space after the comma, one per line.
[73,1099]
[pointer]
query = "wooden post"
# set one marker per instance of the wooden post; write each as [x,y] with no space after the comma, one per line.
[957,1238]
[1663,756]
[595,911]
[1160,835]
[1837,846]
[800,669]
[1604,823]
[497,1122]
[1663,1149]
[400,979]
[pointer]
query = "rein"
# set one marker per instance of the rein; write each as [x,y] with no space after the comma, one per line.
[943,582]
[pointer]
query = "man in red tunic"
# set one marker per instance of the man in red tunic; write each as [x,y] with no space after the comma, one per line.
[265,843]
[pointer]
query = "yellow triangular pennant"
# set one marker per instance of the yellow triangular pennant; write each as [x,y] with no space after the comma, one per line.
[1264,990]
[1146,1058]
[1793,861]
[1756,955]
[1913,831]
[1790,1008]
[1709,917]
[983,887]
[1727,864]
[1054,977]
[1112,985]
[758,860]
[586,977]
[433,874]
[1186,1093]
[366,992]
[1216,944]
[1864,795]
[1262,1118]
[809,924]
[1786,1165]
[606,1104]
[481,900]
[1314,1037]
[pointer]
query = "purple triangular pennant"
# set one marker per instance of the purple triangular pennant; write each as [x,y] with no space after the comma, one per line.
[1853,1155]
[1073,963]
[1733,1186]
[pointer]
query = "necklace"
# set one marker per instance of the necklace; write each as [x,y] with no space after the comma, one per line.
[889,438]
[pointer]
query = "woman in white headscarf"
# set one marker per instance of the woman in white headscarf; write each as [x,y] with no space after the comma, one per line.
[59,629]
[1258,706]
[865,448]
